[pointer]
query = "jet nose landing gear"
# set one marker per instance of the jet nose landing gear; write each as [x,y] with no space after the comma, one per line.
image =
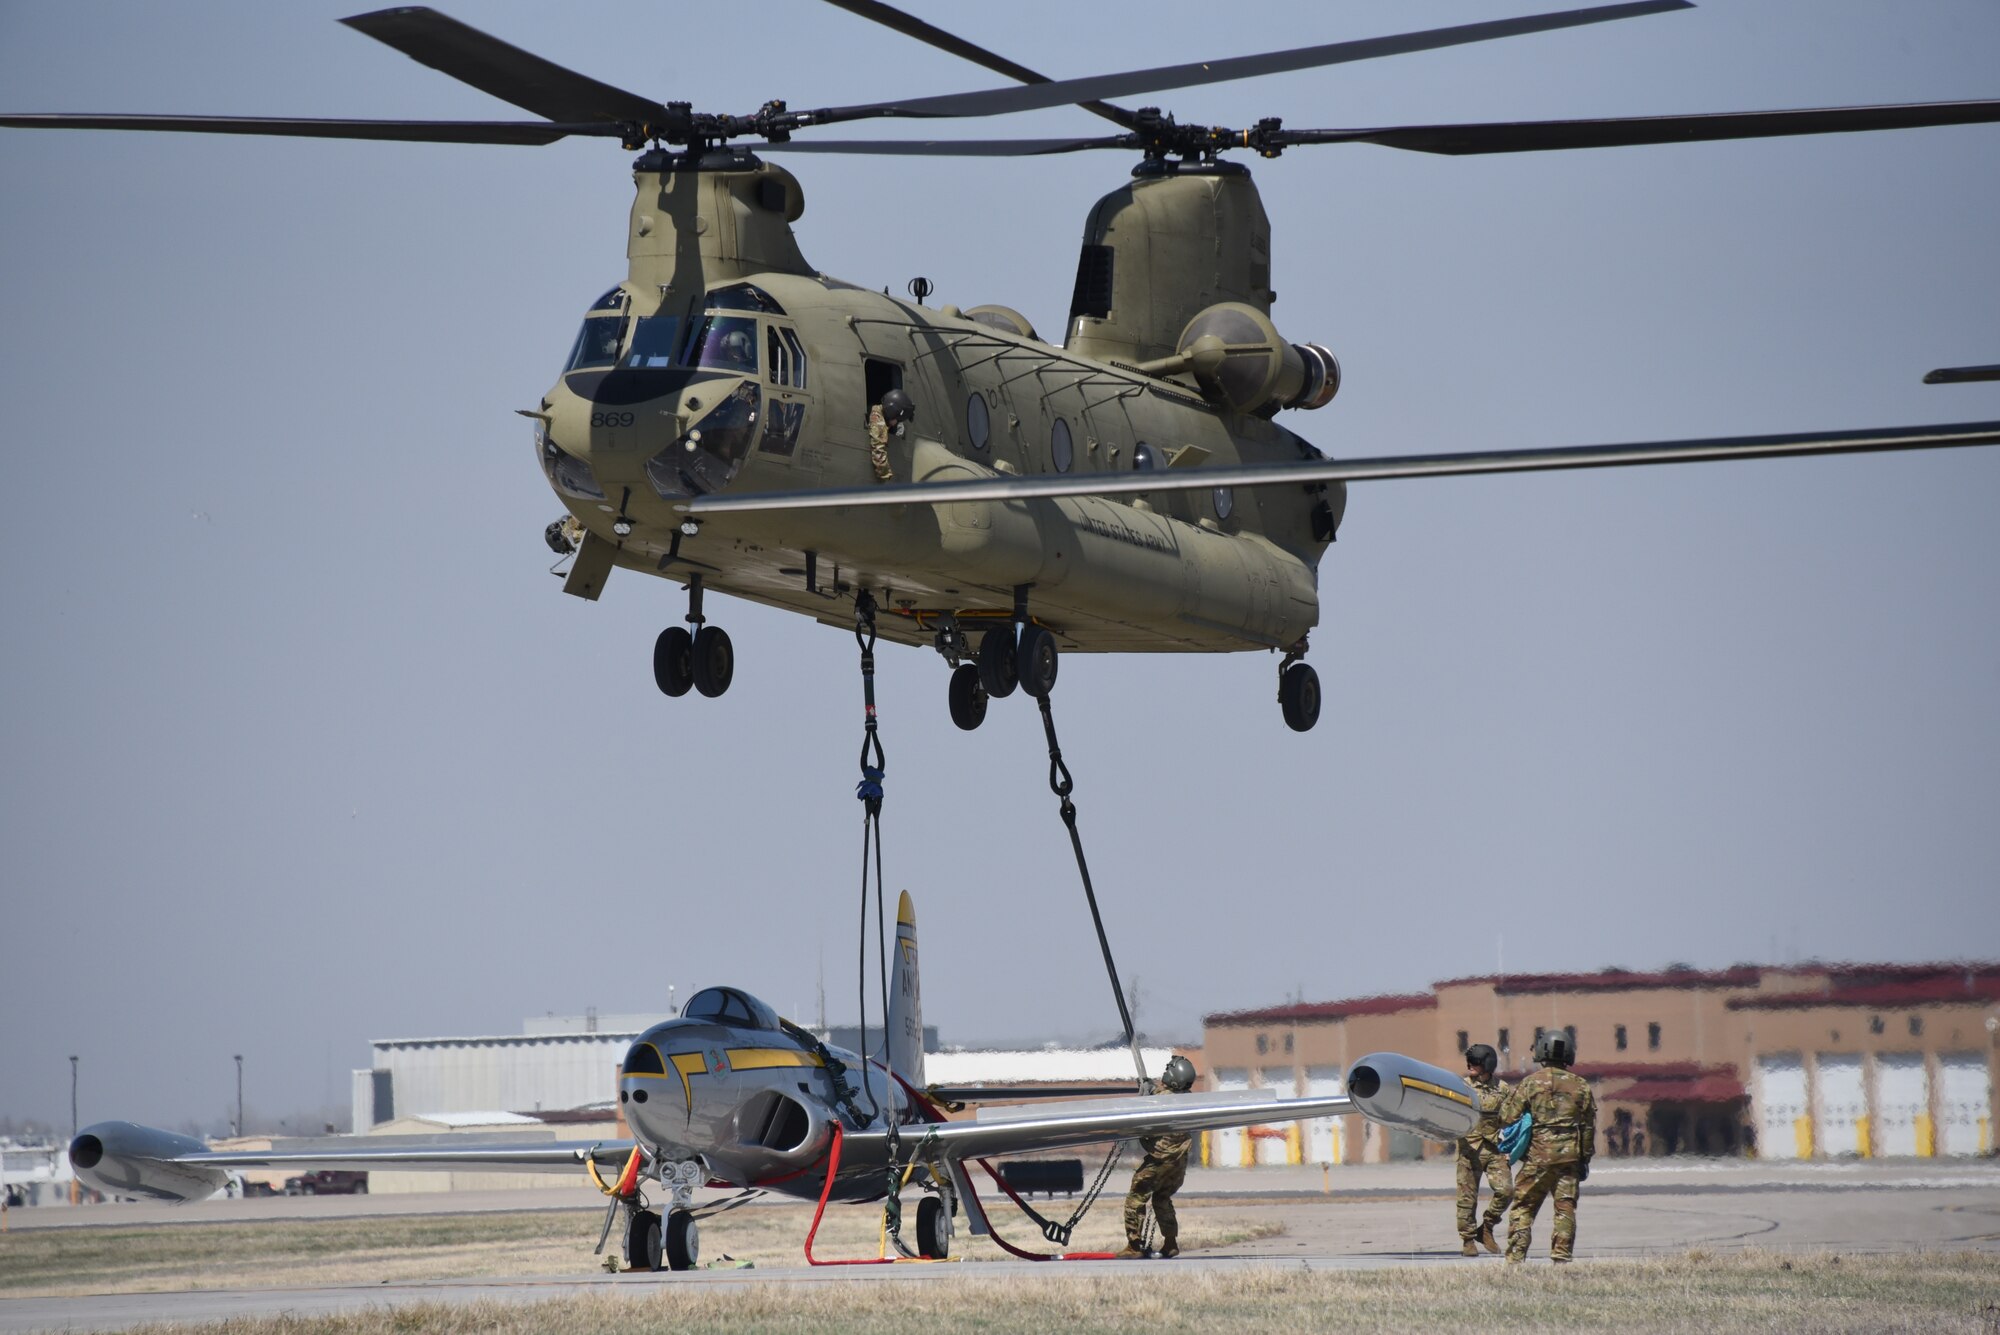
[702,658]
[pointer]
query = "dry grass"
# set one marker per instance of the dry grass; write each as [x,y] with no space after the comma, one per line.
[1740,1292]
[59,1262]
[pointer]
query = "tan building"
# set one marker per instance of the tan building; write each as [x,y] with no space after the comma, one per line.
[1821,1060]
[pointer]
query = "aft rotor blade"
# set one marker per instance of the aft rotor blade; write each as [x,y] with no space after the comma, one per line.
[952,148]
[912,26]
[1537,136]
[1961,375]
[1001,101]
[1871,440]
[507,72]
[429,132]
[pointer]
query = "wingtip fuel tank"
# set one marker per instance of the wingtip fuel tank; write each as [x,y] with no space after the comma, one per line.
[1401,1091]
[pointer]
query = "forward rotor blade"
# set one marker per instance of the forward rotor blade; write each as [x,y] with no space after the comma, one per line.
[507,72]
[1536,136]
[429,132]
[912,26]
[1000,101]
[951,148]
[1871,440]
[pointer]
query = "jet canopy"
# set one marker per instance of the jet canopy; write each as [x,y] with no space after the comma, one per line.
[726,1005]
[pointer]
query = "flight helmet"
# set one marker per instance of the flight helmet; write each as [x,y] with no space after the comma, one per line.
[898,409]
[1553,1048]
[1483,1057]
[1179,1075]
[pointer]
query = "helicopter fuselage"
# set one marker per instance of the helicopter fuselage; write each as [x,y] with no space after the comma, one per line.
[724,362]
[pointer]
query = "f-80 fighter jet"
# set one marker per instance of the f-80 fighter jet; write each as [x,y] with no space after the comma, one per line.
[730,1094]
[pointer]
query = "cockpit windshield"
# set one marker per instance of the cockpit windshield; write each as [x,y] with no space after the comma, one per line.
[726,1005]
[597,344]
[655,340]
[725,343]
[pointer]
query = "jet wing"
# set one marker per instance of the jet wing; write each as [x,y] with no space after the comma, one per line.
[1113,1119]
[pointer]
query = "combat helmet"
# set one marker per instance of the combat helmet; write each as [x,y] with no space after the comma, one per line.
[1179,1075]
[1554,1048]
[1484,1057]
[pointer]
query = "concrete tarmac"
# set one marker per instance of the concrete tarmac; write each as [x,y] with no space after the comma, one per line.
[1374,1216]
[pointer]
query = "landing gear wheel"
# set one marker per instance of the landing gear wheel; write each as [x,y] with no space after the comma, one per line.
[933,1229]
[714,661]
[673,661]
[968,697]
[642,1240]
[1035,662]
[682,1243]
[1298,694]
[998,671]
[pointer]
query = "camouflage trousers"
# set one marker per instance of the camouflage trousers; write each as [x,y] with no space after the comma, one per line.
[1535,1181]
[1154,1183]
[1493,1165]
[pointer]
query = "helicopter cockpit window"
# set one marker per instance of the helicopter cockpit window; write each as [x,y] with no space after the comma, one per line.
[725,343]
[743,297]
[614,300]
[712,451]
[597,344]
[726,1005]
[655,339]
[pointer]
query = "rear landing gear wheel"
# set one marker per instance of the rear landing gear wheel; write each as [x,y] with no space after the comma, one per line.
[714,661]
[1298,694]
[682,1244]
[673,661]
[998,671]
[642,1240]
[968,697]
[933,1228]
[1035,662]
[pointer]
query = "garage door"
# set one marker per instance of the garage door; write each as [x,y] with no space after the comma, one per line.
[1273,1144]
[1965,1105]
[1323,1133]
[1783,1129]
[1840,1106]
[1227,1149]
[1902,1120]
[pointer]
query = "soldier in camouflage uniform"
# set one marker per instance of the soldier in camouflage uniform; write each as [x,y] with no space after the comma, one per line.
[1160,1175]
[1559,1150]
[1479,1154]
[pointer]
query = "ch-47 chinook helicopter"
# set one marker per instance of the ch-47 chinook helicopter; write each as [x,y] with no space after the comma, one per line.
[729,1094]
[733,419]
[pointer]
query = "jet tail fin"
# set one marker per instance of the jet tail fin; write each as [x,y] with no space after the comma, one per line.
[903,1046]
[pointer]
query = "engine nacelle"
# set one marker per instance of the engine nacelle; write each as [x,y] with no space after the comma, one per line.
[1401,1091]
[1242,363]
[123,1159]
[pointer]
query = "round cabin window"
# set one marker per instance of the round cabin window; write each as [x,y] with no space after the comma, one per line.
[1225,502]
[978,426]
[1062,453]
[1144,458]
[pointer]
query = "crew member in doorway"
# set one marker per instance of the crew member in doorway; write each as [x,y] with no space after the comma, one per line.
[1560,1146]
[1160,1174]
[887,418]
[1480,1155]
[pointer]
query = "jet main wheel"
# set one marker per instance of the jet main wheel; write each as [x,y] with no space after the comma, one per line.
[1035,662]
[714,660]
[673,661]
[682,1243]
[998,670]
[968,697]
[933,1228]
[642,1240]
[1298,694]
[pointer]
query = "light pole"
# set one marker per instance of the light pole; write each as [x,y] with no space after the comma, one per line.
[239,1095]
[72,1097]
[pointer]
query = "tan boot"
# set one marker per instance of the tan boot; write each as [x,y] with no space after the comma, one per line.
[1486,1239]
[1470,1248]
[1132,1252]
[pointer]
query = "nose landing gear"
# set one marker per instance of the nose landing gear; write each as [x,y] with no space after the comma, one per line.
[702,658]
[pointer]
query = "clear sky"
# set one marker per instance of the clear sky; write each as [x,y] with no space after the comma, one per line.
[305,747]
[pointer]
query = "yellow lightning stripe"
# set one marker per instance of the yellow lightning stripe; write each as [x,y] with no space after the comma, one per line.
[1439,1090]
[764,1059]
[687,1064]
